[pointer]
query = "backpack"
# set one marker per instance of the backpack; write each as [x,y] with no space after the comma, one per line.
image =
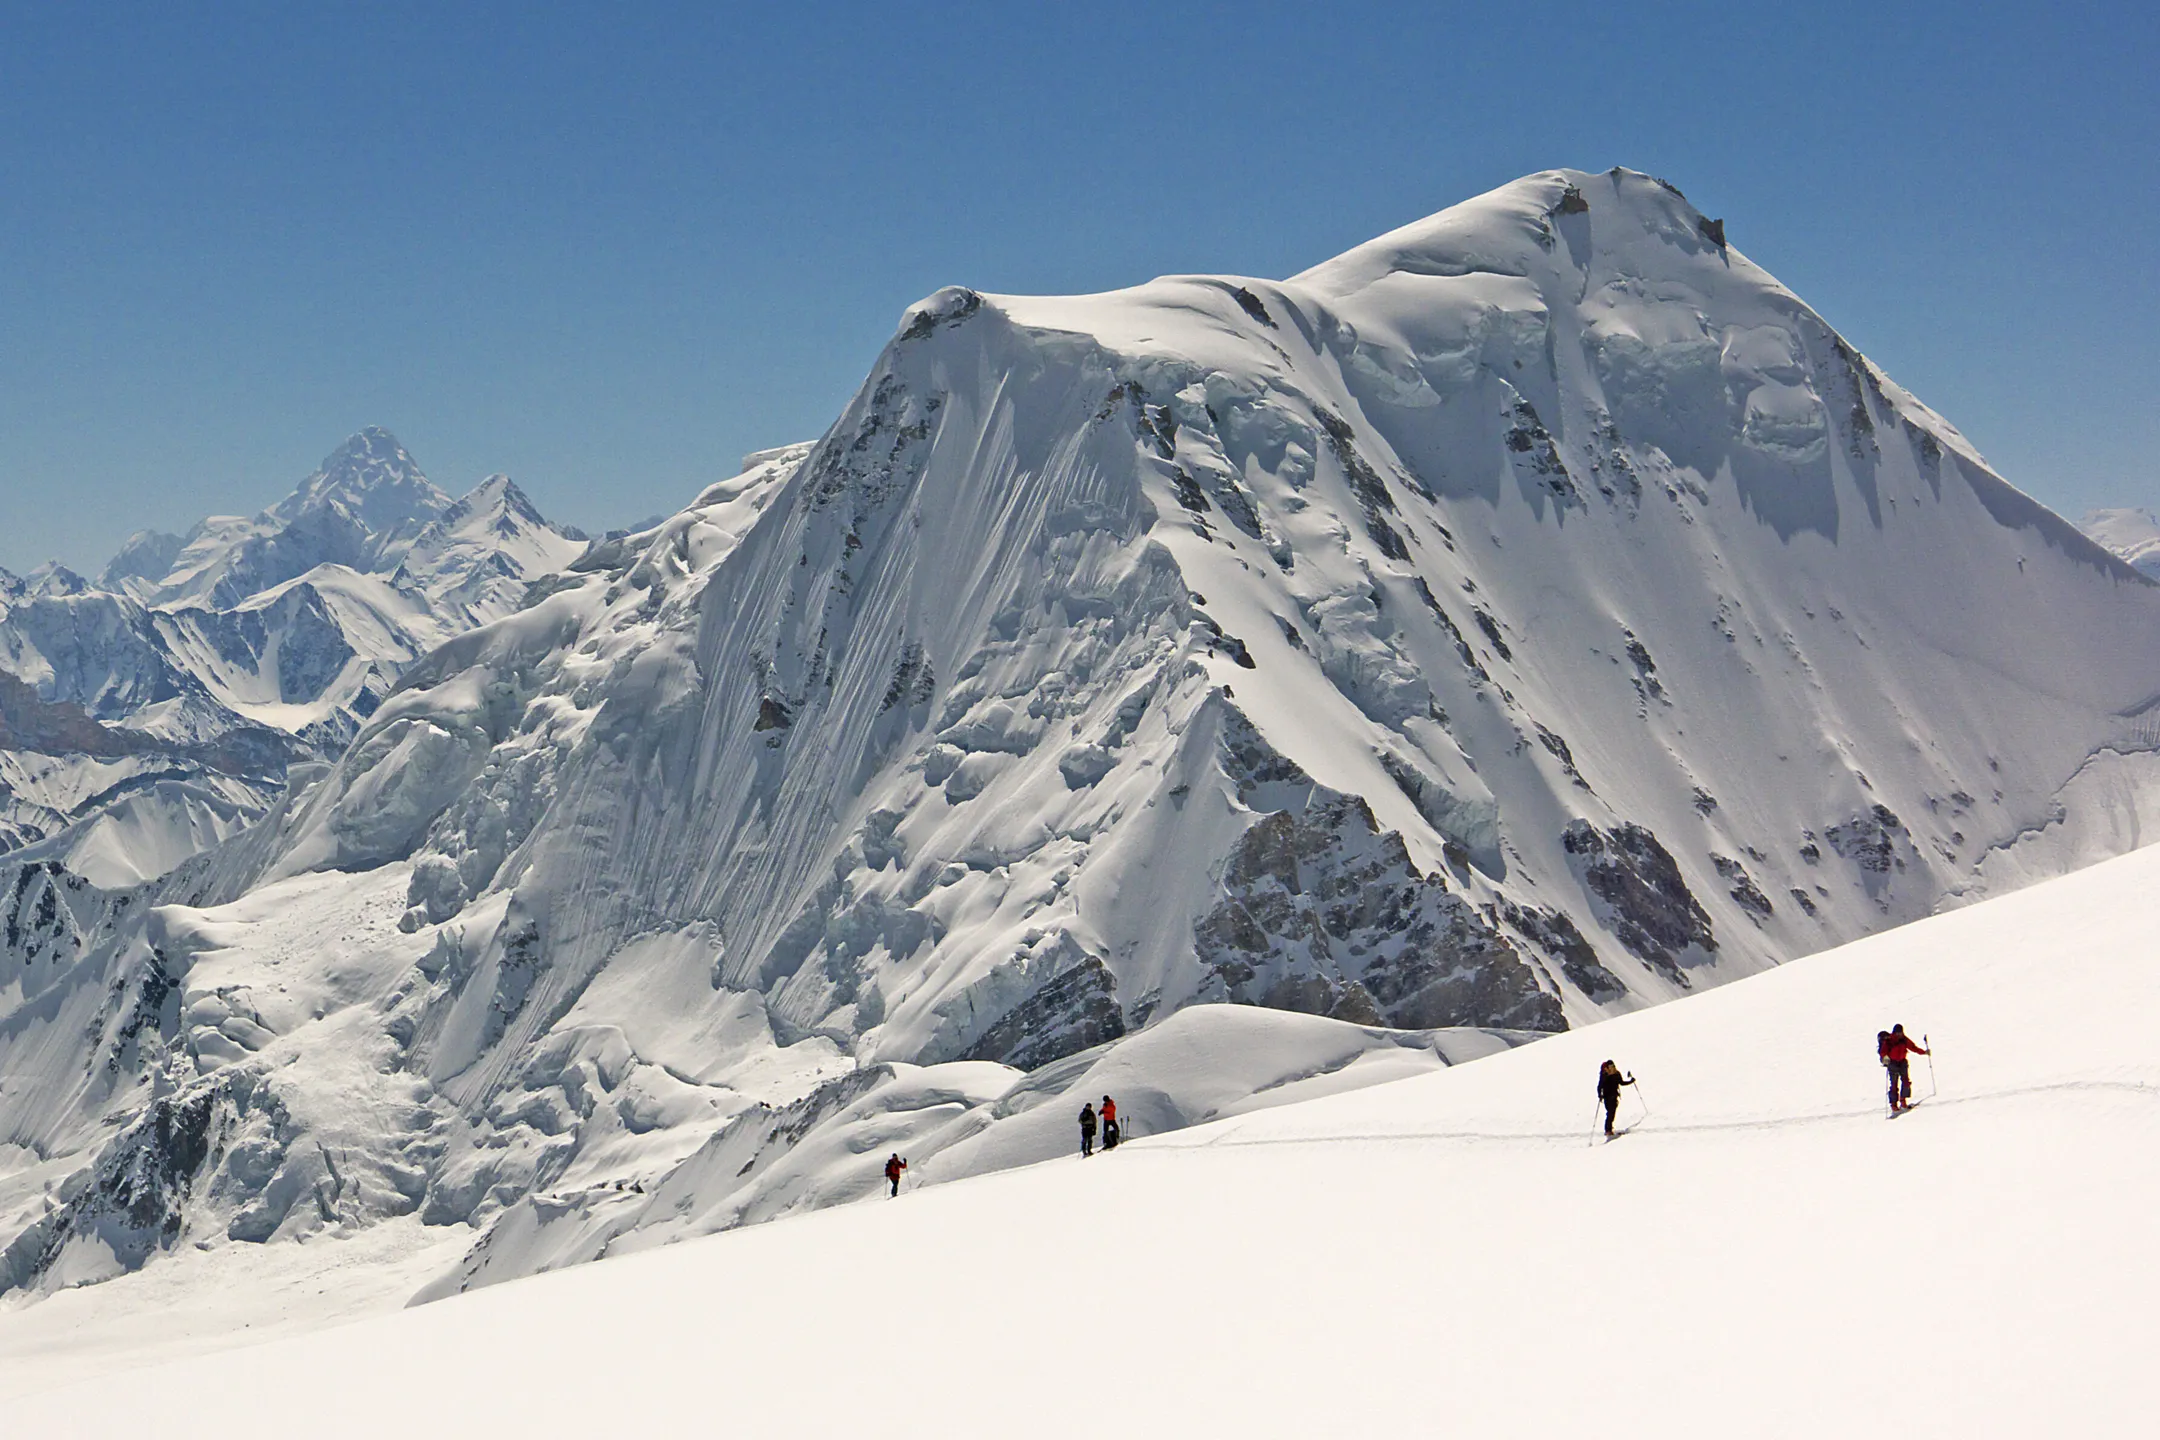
[1882,1045]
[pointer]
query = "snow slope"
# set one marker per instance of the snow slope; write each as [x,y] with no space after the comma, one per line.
[1531,616]
[1763,1252]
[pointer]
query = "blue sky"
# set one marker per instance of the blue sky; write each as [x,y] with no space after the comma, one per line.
[608,249]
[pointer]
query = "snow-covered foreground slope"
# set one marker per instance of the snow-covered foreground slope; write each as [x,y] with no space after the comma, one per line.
[1764,1253]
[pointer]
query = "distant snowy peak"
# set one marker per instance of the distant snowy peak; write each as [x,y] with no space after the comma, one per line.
[361,509]
[144,558]
[53,578]
[372,479]
[473,561]
[2132,535]
[252,641]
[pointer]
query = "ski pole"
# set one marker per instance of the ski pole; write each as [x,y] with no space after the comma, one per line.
[1931,1063]
[1641,1101]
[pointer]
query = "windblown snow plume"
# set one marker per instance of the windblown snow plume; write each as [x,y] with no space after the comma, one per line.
[1533,614]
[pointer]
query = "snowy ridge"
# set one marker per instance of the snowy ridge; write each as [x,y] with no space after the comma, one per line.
[1534,615]
[275,635]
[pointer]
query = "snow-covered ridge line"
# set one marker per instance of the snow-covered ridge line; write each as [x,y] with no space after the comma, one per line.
[1528,618]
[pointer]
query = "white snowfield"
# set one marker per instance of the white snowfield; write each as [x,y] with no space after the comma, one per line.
[1764,1253]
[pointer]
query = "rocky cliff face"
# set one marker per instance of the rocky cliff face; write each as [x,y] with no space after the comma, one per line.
[1536,613]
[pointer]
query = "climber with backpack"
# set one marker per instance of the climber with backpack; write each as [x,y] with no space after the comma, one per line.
[1895,1049]
[893,1167]
[1609,1081]
[1110,1132]
[1087,1129]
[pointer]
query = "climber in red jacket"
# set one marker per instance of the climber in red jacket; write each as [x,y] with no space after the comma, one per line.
[1895,1049]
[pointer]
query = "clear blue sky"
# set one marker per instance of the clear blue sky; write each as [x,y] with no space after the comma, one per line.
[610,248]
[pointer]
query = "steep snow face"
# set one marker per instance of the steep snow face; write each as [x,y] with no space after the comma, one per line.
[271,637]
[2132,535]
[1532,615]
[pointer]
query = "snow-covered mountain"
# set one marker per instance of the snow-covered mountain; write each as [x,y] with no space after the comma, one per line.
[264,640]
[1534,614]
[2132,535]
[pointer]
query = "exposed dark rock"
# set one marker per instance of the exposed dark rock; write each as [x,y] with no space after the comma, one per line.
[1646,677]
[1868,840]
[1561,940]
[772,714]
[1745,893]
[949,306]
[1712,230]
[134,1202]
[1462,646]
[1528,438]
[1365,482]
[1321,904]
[1572,202]
[1559,750]
[1074,1011]
[1158,426]
[1491,627]
[1250,762]
[1220,639]
[1250,304]
[913,681]
[1188,491]
[1649,907]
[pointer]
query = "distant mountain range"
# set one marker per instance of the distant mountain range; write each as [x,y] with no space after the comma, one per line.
[2131,534]
[158,709]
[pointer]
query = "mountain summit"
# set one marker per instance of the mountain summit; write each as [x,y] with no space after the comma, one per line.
[360,510]
[1533,615]
[372,479]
